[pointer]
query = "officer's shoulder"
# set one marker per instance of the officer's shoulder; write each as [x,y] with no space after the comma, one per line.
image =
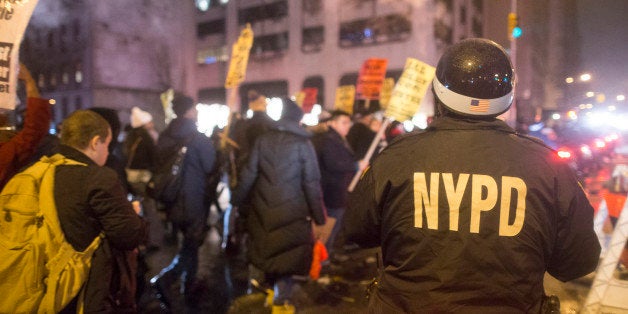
[533,140]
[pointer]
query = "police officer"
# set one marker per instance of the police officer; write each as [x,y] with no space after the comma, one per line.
[470,214]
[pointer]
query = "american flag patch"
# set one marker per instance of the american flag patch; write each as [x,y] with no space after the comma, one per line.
[479,105]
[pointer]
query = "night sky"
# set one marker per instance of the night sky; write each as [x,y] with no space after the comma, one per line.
[603,25]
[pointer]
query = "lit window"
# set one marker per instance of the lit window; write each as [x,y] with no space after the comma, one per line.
[78,76]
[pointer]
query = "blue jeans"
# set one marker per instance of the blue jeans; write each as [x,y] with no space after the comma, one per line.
[337,213]
[282,290]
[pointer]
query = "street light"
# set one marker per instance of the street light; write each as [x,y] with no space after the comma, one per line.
[585,77]
[620,98]
[569,80]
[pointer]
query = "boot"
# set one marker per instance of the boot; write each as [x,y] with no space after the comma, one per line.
[283,309]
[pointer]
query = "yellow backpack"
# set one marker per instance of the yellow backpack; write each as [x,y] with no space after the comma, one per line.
[40,272]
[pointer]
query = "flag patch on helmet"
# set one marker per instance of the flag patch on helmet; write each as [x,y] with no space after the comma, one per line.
[479,105]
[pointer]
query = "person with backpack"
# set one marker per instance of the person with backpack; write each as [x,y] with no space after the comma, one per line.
[190,208]
[91,199]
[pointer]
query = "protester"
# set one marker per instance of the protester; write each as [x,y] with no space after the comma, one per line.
[190,211]
[115,160]
[90,199]
[283,179]
[469,214]
[338,165]
[16,149]
[140,152]
[248,130]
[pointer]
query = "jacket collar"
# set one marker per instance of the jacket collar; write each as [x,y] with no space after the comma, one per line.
[292,127]
[449,123]
[74,154]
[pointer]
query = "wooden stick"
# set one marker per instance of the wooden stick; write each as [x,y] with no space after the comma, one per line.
[370,152]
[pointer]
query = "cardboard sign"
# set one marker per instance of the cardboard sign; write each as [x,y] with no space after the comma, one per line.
[384,98]
[410,90]
[345,97]
[14,17]
[371,78]
[309,100]
[239,58]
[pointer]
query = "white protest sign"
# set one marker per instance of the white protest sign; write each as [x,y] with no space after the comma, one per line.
[14,17]
[608,293]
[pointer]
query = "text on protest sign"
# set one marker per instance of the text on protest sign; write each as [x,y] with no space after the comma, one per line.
[371,78]
[410,90]
[345,97]
[387,88]
[239,58]
[14,17]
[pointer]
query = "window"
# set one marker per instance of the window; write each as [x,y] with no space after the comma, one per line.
[272,11]
[212,55]
[476,27]
[212,96]
[463,15]
[269,45]
[270,89]
[319,83]
[210,28]
[443,32]
[381,29]
[313,39]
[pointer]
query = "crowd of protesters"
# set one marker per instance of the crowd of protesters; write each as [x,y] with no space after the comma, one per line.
[287,181]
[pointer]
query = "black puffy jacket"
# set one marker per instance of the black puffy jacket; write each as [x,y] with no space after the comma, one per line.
[283,178]
[469,216]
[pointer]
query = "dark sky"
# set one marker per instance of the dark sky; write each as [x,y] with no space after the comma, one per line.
[603,25]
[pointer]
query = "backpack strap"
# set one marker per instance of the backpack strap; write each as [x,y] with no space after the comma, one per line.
[56,266]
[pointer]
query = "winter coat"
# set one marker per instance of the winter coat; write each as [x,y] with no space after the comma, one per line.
[337,165]
[16,153]
[140,150]
[470,215]
[90,199]
[192,204]
[360,137]
[283,178]
[247,131]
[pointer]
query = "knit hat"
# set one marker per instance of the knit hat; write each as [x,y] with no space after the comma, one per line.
[291,111]
[139,117]
[181,104]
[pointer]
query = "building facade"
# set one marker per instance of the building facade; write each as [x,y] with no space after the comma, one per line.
[121,54]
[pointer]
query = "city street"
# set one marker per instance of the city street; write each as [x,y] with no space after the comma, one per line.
[341,288]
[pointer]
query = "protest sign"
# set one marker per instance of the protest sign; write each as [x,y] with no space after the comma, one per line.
[410,90]
[345,97]
[371,78]
[404,101]
[14,17]
[384,98]
[309,100]
[239,58]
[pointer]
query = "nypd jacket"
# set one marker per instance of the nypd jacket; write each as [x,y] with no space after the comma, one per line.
[469,216]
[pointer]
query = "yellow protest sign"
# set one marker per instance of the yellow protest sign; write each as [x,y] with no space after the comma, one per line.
[14,17]
[239,58]
[384,97]
[410,90]
[345,96]
[299,98]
